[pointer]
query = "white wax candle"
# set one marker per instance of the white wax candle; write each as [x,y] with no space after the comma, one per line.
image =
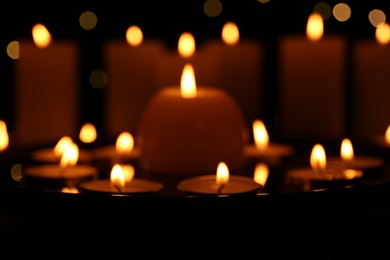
[186,136]
[135,186]
[46,92]
[131,72]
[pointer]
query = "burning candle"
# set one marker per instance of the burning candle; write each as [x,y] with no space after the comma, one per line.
[46,89]
[262,147]
[261,173]
[234,64]
[4,137]
[371,69]
[187,130]
[220,184]
[131,70]
[67,173]
[121,181]
[319,173]
[312,72]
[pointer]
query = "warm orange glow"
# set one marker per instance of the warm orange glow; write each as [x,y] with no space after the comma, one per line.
[88,133]
[188,83]
[318,158]
[41,36]
[260,135]
[387,135]
[186,45]
[382,33]
[261,173]
[117,177]
[315,27]
[230,33]
[222,174]
[62,144]
[128,171]
[124,143]
[4,138]
[134,35]
[351,174]
[69,190]
[346,150]
[70,156]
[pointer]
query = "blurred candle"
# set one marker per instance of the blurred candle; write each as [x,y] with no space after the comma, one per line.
[46,76]
[131,70]
[312,79]
[370,78]
[4,137]
[187,130]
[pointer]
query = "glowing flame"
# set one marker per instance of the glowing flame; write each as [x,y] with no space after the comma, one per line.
[318,158]
[260,135]
[4,138]
[382,33]
[134,35]
[69,190]
[186,45]
[70,156]
[124,143]
[230,33]
[346,150]
[62,144]
[315,27]
[88,133]
[128,171]
[41,36]
[222,174]
[117,177]
[188,83]
[387,135]
[261,173]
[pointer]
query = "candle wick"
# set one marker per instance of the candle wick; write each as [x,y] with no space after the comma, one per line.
[118,188]
[220,188]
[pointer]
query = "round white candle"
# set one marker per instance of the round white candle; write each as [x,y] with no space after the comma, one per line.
[207,184]
[191,135]
[53,171]
[358,162]
[134,186]
[110,152]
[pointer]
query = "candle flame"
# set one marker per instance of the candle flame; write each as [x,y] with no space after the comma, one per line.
[382,33]
[41,36]
[134,35]
[318,158]
[62,144]
[128,171]
[387,135]
[124,143]
[222,174]
[188,83]
[88,133]
[230,33]
[70,156]
[186,45]
[315,27]
[260,135]
[4,137]
[117,177]
[346,150]
[261,173]
[69,190]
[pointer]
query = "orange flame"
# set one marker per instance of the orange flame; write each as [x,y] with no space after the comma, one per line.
[41,36]
[222,174]
[346,150]
[128,172]
[382,33]
[230,33]
[188,83]
[261,173]
[124,142]
[315,27]
[4,138]
[186,45]
[88,133]
[134,35]
[70,156]
[117,177]
[260,135]
[318,158]
[387,135]
[62,144]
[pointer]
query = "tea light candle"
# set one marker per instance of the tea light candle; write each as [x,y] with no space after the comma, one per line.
[120,183]
[187,131]
[131,68]
[263,149]
[319,173]
[312,73]
[220,184]
[46,76]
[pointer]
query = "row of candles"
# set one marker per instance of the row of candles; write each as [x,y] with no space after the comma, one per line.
[187,131]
